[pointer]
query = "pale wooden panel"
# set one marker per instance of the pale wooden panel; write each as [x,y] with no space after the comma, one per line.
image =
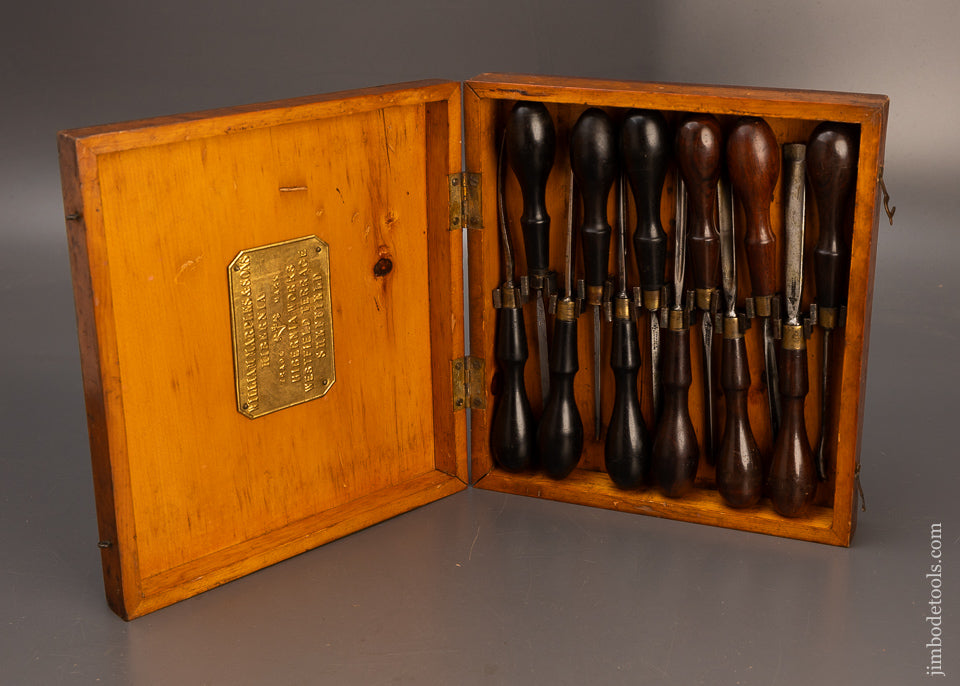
[204,477]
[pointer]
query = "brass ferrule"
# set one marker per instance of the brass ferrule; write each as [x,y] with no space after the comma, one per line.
[508,297]
[621,308]
[705,298]
[594,295]
[538,279]
[651,300]
[731,328]
[828,317]
[761,304]
[676,320]
[567,310]
[793,338]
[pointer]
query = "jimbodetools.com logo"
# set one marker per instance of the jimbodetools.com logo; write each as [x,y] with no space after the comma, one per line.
[934,616]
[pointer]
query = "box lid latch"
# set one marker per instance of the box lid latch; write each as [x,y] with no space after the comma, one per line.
[468,376]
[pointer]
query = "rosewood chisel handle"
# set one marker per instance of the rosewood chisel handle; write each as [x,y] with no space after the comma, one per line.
[675,451]
[512,427]
[627,449]
[593,156]
[531,144]
[753,160]
[699,149]
[792,481]
[739,465]
[645,148]
[831,165]
[560,434]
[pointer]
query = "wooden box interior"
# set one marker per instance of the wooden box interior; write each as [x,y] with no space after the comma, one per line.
[792,116]
[191,493]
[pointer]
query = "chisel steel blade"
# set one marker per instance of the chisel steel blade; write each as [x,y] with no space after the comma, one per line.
[824,408]
[707,330]
[655,362]
[542,347]
[773,377]
[597,415]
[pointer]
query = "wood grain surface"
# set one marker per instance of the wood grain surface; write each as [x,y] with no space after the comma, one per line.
[190,492]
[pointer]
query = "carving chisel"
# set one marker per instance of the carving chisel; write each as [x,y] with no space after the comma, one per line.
[645,147]
[739,465]
[560,434]
[753,159]
[593,157]
[531,143]
[792,480]
[676,455]
[831,165]
[699,148]
[512,426]
[627,450]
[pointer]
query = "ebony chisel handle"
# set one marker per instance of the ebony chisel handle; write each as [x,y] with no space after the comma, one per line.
[753,161]
[699,148]
[739,464]
[531,144]
[792,481]
[560,434]
[675,451]
[593,156]
[627,450]
[512,431]
[645,150]
[831,166]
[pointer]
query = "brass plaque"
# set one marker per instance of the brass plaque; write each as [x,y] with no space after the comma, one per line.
[282,324]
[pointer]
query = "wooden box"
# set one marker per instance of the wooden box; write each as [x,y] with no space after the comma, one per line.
[192,493]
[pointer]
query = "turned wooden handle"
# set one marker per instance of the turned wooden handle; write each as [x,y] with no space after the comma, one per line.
[831,167]
[739,464]
[512,426]
[792,481]
[531,144]
[560,434]
[593,156]
[676,454]
[699,147]
[627,450]
[645,149]
[753,161]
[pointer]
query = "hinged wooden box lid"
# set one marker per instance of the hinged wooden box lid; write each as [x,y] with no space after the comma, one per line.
[201,246]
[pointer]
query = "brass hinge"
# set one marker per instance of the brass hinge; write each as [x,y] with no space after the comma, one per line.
[468,383]
[465,201]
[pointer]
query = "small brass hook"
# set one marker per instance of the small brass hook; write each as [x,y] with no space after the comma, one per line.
[863,498]
[886,199]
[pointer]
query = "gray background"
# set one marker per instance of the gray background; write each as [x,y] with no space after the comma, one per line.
[485,588]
